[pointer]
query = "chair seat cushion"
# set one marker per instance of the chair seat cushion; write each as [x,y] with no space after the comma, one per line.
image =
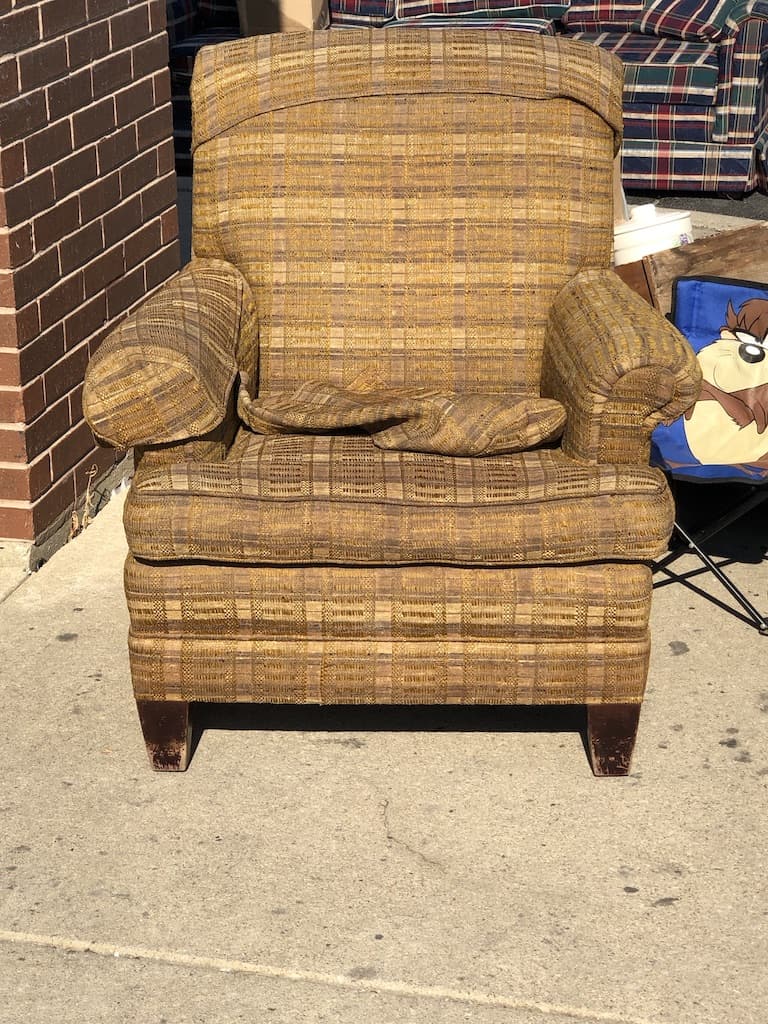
[662,71]
[338,499]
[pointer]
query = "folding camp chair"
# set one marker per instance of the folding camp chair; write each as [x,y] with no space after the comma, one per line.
[724,437]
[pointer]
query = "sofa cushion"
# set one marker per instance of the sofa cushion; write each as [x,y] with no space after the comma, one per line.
[292,500]
[687,19]
[662,71]
[361,12]
[539,26]
[603,15]
[479,9]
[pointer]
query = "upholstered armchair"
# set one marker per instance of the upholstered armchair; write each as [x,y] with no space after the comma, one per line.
[392,422]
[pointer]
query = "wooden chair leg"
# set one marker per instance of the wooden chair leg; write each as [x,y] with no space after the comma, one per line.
[611,732]
[167,732]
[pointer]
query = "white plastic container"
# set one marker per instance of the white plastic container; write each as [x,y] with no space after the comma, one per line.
[650,230]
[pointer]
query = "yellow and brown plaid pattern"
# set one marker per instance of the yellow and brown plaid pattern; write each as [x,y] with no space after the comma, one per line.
[385,635]
[405,205]
[340,499]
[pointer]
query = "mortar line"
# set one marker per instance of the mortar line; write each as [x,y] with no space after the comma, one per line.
[396,988]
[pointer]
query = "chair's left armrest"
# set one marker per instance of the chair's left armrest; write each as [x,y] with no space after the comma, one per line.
[617,365]
[166,373]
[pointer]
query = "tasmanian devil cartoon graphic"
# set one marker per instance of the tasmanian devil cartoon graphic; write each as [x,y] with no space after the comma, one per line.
[727,425]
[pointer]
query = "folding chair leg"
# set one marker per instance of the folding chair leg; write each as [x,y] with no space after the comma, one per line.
[738,595]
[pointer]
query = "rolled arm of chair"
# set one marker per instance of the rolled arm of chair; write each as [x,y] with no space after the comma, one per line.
[165,374]
[617,365]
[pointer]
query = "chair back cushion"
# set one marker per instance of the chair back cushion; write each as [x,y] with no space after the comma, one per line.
[405,204]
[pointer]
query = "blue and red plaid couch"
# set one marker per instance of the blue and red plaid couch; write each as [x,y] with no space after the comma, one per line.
[192,24]
[695,92]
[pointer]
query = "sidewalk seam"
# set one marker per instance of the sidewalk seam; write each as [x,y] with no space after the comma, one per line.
[227,966]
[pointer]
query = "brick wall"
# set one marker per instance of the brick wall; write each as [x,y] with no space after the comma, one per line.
[88,226]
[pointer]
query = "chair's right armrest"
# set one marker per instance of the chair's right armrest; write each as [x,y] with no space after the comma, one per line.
[166,373]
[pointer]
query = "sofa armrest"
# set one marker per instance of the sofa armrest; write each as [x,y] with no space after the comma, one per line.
[617,366]
[166,373]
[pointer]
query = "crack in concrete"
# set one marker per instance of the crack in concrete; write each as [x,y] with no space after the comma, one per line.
[392,838]
[394,988]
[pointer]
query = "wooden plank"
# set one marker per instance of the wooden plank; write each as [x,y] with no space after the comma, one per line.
[639,277]
[742,254]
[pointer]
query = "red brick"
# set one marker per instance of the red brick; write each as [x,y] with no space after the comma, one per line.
[102,195]
[72,174]
[53,504]
[125,291]
[41,353]
[55,223]
[122,221]
[88,44]
[16,246]
[103,458]
[26,483]
[61,16]
[32,196]
[47,428]
[158,196]
[157,15]
[116,149]
[46,147]
[7,289]
[169,222]
[26,326]
[22,116]
[36,276]
[161,86]
[9,80]
[11,164]
[140,246]
[43,65]
[75,400]
[12,443]
[103,8]
[131,25]
[71,448]
[66,296]
[110,74]
[65,375]
[16,523]
[103,270]
[20,30]
[70,94]
[134,101]
[76,250]
[84,321]
[21,405]
[154,127]
[162,265]
[150,55]
[93,123]
[165,158]
[138,172]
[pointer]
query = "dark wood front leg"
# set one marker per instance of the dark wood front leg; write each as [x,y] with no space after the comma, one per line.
[611,732]
[167,732]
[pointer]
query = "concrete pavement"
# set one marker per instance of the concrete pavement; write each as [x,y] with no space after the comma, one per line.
[318,865]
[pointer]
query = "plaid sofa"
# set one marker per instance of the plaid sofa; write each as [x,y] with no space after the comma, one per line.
[695,92]
[192,24]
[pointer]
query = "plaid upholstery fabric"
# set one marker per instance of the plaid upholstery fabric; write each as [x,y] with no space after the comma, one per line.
[166,373]
[367,13]
[602,15]
[314,499]
[334,635]
[219,13]
[410,419]
[689,19]
[662,71]
[493,9]
[389,198]
[613,367]
[180,19]
[539,26]
[414,300]
[692,166]
[665,124]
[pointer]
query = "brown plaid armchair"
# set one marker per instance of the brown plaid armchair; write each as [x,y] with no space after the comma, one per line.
[413,222]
